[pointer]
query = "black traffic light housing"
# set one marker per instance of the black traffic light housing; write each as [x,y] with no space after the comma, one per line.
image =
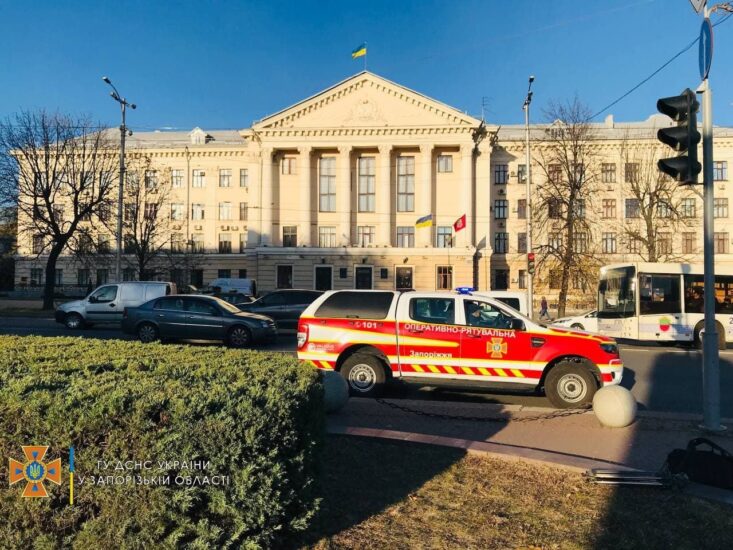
[682,138]
[530,263]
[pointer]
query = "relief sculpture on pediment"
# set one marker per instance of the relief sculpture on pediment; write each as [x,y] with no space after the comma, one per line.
[365,112]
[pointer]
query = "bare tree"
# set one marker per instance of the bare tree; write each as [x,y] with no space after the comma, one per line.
[58,170]
[656,210]
[567,158]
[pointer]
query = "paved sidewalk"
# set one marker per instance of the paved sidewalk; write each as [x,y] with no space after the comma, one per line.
[575,442]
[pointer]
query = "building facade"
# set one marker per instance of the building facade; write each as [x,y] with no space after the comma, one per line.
[326,194]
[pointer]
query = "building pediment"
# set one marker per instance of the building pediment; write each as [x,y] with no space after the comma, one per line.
[366,101]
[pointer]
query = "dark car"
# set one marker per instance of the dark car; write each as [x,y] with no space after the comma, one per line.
[235,298]
[196,317]
[284,306]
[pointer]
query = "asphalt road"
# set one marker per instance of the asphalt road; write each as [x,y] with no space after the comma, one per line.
[661,378]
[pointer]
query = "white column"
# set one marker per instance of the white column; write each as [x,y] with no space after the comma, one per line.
[266,206]
[384,197]
[305,210]
[423,195]
[482,221]
[465,237]
[343,196]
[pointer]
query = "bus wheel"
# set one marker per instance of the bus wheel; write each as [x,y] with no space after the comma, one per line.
[699,334]
[569,384]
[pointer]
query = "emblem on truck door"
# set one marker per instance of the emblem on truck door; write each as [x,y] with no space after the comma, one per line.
[497,348]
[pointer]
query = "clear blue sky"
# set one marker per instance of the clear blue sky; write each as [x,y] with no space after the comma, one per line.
[223,64]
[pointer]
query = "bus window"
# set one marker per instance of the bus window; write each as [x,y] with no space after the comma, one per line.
[659,294]
[694,292]
[616,297]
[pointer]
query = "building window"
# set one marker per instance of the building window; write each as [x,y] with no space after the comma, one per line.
[225,210]
[151,179]
[59,276]
[223,273]
[242,273]
[444,279]
[522,173]
[225,243]
[365,235]
[664,210]
[199,178]
[554,241]
[327,184]
[688,208]
[522,209]
[501,206]
[720,208]
[177,211]
[721,243]
[554,209]
[290,235]
[367,177]
[501,279]
[609,208]
[555,279]
[83,277]
[632,208]
[664,243]
[128,244]
[177,243]
[327,237]
[720,170]
[128,274]
[580,243]
[39,242]
[36,276]
[579,208]
[501,243]
[130,212]
[443,236]
[501,173]
[197,242]
[405,184]
[103,244]
[521,242]
[406,237]
[634,245]
[288,166]
[445,163]
[631,172]
[243,177]
[176,178]
[554,173]
[688,243]
[242,244]
[608,243]
[608,173]
[197,211]
[151,211]
[225,177]
[102,276]
[522,279]
[243,211]
[284,276]
[104,212]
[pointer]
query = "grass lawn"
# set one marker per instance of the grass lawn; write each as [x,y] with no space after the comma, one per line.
[387,494]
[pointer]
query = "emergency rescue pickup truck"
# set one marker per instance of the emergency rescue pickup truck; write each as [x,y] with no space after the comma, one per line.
[439,338]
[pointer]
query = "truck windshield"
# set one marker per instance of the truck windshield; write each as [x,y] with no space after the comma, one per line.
[617,293]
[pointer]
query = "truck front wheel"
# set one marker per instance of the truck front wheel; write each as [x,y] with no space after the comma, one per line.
[365,375]
[570,385]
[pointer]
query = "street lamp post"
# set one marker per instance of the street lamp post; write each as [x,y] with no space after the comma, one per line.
[527,176]
[123,133]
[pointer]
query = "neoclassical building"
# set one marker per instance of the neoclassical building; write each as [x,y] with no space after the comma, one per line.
[327,194]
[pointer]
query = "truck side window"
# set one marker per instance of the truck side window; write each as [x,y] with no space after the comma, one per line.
[433,310]
[481,314]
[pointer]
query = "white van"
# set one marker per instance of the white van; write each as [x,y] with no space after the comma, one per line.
[248,287]
[107,303]
[513,298]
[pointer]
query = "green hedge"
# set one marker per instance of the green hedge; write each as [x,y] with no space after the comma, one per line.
[255,417]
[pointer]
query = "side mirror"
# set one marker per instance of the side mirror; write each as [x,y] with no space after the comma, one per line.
[517,324]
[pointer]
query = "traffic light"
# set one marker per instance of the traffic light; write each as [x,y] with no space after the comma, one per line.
[682,138]
[530,263]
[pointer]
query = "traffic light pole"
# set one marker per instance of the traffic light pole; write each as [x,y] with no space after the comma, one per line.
[711,364]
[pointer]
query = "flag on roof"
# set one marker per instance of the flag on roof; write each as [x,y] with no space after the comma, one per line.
[358,52]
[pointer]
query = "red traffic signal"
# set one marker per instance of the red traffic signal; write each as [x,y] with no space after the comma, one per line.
[530,263]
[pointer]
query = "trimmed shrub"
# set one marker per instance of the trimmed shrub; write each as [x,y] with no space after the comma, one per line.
[253,422]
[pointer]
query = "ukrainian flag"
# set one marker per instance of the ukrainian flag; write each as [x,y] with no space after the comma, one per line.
[358,52]
[425,221]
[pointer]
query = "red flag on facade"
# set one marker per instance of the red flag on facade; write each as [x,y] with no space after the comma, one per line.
[460,223]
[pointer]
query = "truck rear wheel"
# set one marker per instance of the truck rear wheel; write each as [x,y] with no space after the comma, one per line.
[365,375]
[570,385]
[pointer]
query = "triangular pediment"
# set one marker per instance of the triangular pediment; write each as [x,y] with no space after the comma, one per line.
[366,100]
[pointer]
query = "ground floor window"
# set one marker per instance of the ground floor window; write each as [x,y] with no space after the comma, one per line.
[363,277]
[36,276]
[323,277]
[197,278]
[242,273]
[403,278]
[444,277]
[83,277]
[224,274]
[501,279]
[522,278]
[102,276]
[284,276]
[128,274]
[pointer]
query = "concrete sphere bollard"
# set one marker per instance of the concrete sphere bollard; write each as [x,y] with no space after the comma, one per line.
[336,390]
[614,406]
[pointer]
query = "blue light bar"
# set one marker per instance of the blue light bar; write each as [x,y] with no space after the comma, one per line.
[465,290]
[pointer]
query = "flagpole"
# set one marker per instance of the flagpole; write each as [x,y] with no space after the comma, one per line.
[366,52]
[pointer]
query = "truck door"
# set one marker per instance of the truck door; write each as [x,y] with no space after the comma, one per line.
[493,345]
[429,339]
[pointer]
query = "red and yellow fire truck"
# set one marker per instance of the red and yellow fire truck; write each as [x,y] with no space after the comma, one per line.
[435,338]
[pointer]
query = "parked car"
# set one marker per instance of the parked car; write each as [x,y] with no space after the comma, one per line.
[587,321]
[235,298]
[514,299]
[223,286]
[284,306]
[106,303]
[196,317]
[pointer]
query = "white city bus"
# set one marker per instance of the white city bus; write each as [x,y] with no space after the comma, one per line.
[661,302]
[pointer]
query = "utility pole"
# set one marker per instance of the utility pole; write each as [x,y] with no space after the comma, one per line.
[120,191]
[528,177]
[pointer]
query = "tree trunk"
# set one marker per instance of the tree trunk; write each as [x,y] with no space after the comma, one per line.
[50,282]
